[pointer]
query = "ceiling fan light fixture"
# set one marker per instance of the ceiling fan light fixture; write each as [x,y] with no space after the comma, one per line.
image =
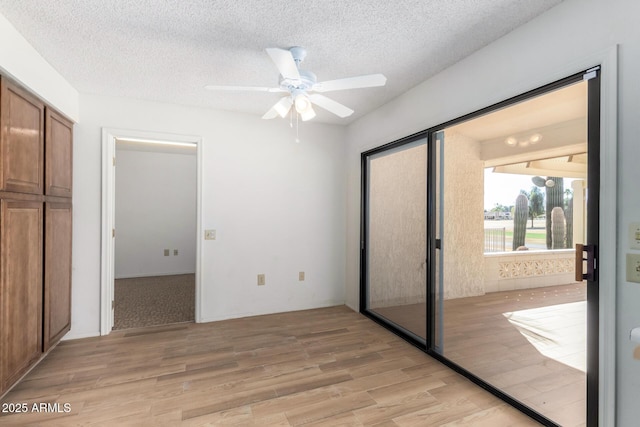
[303,106]
[283,107]
[535,138]
[308,114]
[511,141]
[302,103]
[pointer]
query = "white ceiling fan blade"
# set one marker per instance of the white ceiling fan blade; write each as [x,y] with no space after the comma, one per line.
[370,80]
[281,108]
[244,88]
[285,63]
[330,105]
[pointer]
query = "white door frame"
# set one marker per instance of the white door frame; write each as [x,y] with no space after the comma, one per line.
[107,265]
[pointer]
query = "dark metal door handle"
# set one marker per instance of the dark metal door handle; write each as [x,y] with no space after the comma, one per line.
[590,259]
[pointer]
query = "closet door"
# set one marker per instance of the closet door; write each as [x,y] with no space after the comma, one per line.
[21,140]
[57,272]
[58,154]
[20,287]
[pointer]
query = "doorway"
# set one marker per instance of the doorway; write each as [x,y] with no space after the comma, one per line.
[155,243]
[501,304]
[165,263]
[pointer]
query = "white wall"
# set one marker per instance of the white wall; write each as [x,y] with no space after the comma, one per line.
[278,208]
[536,53]
[20,61]
[155,210]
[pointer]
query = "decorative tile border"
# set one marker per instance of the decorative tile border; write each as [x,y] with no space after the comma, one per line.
[532,268]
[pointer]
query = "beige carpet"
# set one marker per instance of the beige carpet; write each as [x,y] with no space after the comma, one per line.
[158,300]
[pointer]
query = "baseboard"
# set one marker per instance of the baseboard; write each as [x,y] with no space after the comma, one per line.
[76,336]
[252,314]
[137,276]
[352,307]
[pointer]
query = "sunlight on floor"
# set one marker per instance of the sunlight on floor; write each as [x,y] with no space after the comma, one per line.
[556,331]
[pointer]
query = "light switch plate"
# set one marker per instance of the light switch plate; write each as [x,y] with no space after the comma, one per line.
[633,268]
[209,234]
[634,235]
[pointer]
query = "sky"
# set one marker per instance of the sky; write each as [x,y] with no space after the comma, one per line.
[503,188]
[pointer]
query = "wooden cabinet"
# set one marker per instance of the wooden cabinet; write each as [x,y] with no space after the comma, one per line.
[58,154]
[36,148]
[21,140]
[57,272]
[20,287]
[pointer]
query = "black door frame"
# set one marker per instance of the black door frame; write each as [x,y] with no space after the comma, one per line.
[364,225]
[593,208]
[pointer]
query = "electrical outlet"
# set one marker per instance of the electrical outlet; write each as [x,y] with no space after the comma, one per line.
[634,235]
[175,252]
[261,280]
[209,234]
[633,268]
[301,276]
[166,252]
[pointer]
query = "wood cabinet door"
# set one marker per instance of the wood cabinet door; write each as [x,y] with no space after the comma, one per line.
[21,225]
[57,272]
[58,154]
[21,140]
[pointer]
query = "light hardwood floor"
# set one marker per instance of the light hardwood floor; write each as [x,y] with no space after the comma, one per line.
[322,367]
[529,343]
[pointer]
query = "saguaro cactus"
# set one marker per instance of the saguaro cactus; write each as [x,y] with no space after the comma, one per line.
[554,187]
[558,228]
[568,218]
[520,221]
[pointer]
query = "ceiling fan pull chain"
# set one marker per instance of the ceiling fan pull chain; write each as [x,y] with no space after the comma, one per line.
[291,118]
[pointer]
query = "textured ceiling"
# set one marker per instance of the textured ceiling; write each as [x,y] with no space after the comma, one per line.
[168,50]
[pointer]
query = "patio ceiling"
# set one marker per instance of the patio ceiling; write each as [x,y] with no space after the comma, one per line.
[545,135]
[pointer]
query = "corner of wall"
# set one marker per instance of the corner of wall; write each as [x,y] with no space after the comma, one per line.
[20,61]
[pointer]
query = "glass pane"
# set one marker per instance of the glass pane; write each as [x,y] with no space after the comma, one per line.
[513,206]
[397,185]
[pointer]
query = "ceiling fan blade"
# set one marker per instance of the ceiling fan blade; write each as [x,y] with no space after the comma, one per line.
[370,80]
[281,108]
[244,88]
[330,105]
[285,63]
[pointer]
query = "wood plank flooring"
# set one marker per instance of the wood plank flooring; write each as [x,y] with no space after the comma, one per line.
[322,367]
[529,343]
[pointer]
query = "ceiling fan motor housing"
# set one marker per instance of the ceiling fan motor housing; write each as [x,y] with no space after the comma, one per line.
[306,82]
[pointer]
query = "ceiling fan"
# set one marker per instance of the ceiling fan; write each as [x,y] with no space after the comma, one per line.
[302,86]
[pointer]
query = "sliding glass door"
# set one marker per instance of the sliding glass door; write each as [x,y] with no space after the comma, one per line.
[512,313]
[395,236]
[469,234]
